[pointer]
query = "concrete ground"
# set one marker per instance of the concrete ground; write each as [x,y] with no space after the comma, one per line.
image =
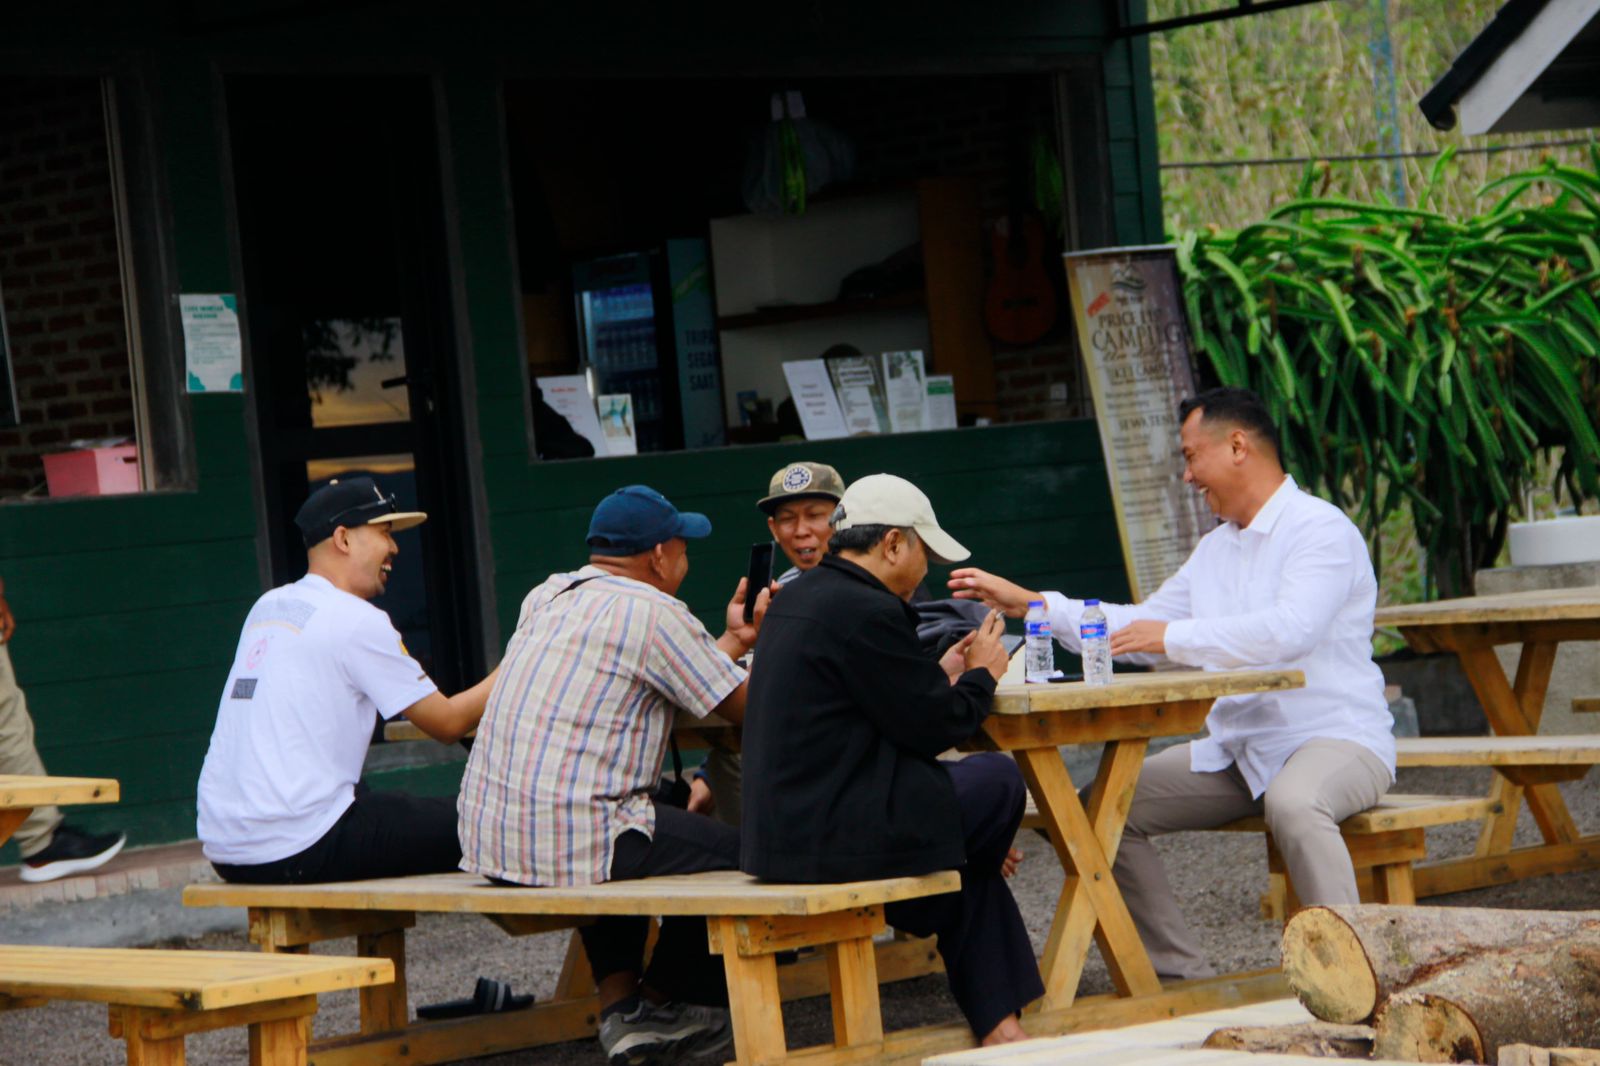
[1218,876]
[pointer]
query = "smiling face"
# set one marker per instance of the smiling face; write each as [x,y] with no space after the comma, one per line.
[801,529]
[1211,460]
[367,558]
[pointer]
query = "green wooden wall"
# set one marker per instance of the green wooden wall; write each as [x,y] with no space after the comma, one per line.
[129,607]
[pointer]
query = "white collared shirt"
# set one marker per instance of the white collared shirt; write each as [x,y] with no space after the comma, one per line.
[1294,590]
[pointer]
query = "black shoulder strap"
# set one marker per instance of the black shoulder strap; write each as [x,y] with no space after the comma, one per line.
[575,584]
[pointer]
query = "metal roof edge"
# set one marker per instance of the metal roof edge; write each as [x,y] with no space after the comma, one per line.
[1438,104]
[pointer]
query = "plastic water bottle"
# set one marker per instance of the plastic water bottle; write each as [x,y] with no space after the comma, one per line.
[1040,651]
[1096,644]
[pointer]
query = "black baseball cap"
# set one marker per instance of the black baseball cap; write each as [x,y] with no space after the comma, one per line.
[637,518]
[352,502]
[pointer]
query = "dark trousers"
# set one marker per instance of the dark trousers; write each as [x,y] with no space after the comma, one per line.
[381,834]
[682,966]
[987,954]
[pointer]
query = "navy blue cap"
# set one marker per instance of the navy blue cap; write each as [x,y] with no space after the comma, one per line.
[355,501]
[637,518]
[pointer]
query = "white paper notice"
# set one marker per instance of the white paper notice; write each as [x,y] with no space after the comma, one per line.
[616,422]
[814,400]
[941,412]
[212,352]
[903,375]
[569,395]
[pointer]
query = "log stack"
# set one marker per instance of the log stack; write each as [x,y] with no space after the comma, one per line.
[1450,984]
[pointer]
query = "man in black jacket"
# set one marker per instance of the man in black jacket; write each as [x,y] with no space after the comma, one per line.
[845,716]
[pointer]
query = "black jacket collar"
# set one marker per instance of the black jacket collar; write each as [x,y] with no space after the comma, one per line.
[868,578]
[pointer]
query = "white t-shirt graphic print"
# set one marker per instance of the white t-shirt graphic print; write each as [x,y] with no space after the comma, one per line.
[313,667]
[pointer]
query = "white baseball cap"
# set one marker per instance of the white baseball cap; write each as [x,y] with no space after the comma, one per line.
[886,500]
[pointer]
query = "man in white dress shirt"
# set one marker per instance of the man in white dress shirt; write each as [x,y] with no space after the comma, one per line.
[1284,582]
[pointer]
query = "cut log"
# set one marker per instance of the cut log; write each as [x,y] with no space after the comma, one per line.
[1346,959]
[1321,1040]
[1547,996]
[1528,1055]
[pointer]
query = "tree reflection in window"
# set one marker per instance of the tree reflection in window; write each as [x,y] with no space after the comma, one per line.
[355,371]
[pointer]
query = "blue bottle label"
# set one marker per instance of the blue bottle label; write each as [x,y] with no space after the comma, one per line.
[1092,630]
[1038,627]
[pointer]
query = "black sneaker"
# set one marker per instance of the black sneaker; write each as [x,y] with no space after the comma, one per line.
[72,852]
[655,1034]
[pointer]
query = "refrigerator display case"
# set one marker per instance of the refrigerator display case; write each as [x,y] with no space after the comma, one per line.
[647,328]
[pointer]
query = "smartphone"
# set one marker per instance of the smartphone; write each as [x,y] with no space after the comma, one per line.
[758,577]
[1012,642]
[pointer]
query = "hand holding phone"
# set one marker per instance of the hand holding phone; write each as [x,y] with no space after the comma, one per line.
[758,577]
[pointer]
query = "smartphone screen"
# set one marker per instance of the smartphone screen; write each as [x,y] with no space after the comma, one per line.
[759,577]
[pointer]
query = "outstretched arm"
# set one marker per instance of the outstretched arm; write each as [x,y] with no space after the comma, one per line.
[449,718]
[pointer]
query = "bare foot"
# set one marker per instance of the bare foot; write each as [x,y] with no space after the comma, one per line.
[1009,1031]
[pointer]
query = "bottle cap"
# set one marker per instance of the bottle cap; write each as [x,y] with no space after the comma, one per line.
[1091,603]
[1035,603]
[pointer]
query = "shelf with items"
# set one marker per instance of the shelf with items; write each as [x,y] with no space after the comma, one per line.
[784,315]
[778,282]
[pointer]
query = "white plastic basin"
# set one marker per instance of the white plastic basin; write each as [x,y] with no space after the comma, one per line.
[1556,541]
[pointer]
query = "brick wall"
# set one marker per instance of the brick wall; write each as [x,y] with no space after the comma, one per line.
[59,275]
[905,128]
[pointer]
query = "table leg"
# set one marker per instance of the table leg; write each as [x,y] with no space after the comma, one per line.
[1515,710]
[853,986]
[1090,894]
[753,998]
[280,1042]
[384,1007]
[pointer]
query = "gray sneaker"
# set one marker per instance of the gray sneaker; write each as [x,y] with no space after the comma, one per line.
[656,1034]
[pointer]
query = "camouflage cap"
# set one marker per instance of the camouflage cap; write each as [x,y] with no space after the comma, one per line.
[802,481]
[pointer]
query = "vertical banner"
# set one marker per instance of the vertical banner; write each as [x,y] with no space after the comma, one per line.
[1129,312]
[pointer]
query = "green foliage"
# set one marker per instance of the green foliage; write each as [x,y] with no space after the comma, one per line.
[1304,82]
[1417,359]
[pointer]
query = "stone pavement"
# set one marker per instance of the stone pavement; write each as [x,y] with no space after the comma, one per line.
[135,899]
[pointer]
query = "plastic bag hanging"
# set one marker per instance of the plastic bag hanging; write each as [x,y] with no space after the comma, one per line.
[793,158]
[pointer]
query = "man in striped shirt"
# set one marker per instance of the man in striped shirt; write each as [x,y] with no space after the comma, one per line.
[557,790]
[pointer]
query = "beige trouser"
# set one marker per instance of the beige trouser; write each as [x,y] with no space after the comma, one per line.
[725,776]
[1323,783]
[19,756]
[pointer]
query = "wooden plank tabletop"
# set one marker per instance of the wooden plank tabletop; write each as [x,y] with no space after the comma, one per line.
[17,791]
[1498,751]
[1540,605]
[1171,686]
[193,980]
[724,892]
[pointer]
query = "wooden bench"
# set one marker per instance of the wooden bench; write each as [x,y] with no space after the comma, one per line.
[1384,842]
[749,923]
[159,997]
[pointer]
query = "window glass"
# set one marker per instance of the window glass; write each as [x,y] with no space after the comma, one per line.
[70,421]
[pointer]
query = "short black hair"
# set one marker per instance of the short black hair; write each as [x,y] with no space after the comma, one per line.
[1239,407]
[860,538]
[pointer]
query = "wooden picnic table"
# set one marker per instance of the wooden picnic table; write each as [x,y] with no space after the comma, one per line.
[1031,722]
[20,794]
[1472,627]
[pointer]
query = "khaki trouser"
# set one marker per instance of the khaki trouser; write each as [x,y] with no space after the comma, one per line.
[725,775]
[19,756]
[1323,783]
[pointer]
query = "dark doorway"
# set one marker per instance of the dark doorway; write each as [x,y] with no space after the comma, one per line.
[353,366]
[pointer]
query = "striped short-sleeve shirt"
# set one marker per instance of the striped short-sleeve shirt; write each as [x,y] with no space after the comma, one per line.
[576,729]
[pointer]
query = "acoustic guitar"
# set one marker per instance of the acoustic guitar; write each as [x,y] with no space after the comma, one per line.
[1020,305]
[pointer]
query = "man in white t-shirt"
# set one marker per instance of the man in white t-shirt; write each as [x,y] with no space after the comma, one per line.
[280,795]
